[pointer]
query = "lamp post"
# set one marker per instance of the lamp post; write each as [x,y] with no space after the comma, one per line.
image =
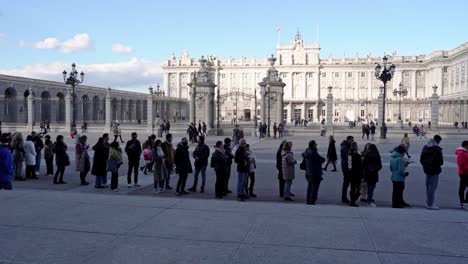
[401,92]
[73,81]
[384,73]
[159,92]
[218,133]
[268,94]
[255,108]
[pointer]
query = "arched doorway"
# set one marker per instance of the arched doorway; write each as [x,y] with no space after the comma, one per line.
[10,105]
[85,107]
[45,106]
[96,109]
[60,116]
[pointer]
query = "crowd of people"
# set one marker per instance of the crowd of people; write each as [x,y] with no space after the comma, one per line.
[360,168]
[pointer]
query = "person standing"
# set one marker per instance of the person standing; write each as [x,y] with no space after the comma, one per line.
[367,131]
[17,145]
[200,155]
[38,145]
[133,150]
[242,161]
[252,166]
[229,158]
[49,155]
[279,167]
[313,171]
[30,158]
[397,167]
[371,164]
[260,130]
[280,130]
[236,135]
[204,129]
[183,165]
[101,155]
[432,161]
[219,163]
[406,142]
[61,159]
[275,130]
[115,158]
[287,166]
[355,173]
[344,153]
[6,163]
[462,161]
[331,154]
[372,130]
[83,164]
[160,170]
[168,150]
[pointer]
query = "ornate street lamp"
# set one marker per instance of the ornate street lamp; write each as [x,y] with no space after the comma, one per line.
[384,73]
[269,120]
[73,81]
[159,92]
[401,92]
[218,132]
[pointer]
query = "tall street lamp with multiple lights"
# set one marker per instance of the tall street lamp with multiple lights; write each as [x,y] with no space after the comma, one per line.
[73,81]
[401,92]
[384,73]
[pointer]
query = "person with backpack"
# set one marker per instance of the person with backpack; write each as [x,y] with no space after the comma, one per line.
[182,164]
[372,164]
[313,171]
[83,164]
[49,155]
[133,150]
[114,162]
[229,158]
[462,161]
[61,159]
[344,152]
[252,166]
[99,168]
[432,160]
[242,160]
[200,154]
[354,168]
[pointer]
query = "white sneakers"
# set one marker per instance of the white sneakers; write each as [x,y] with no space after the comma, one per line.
[156,191]
[464,206]
[373,205]
[432,207]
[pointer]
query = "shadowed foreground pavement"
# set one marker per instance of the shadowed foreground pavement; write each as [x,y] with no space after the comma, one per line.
[41,226]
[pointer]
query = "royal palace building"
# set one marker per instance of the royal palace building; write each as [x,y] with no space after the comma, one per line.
[355,89]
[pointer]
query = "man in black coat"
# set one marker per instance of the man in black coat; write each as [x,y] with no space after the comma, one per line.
[344,151]
[183,165]
[432,161]
[133,150]
[279,167]
[218,163]
[229,158]
[200,154]
[313,172]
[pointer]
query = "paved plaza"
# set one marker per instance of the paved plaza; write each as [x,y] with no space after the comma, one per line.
[45,223]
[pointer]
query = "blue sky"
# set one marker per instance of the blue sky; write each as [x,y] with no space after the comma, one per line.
[39,38]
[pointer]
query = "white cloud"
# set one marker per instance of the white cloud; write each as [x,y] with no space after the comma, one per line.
[48,43]
[135,74]
[22,43]
[120,48]
[2,35]
[77,43]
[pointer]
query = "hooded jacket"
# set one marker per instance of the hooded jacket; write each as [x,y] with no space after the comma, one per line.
[219,160]
[313,165]
[182,159]
[431,158]
[344,154]
[462,161]
[397,167]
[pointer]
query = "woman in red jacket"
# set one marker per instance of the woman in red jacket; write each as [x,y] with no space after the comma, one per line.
[462,160]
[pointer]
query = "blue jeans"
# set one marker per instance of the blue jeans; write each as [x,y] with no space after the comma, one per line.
[195,175]
[100,180]
[38,161]
[287,188]
[431,187]
[312,191]
[241,178]
[370,192]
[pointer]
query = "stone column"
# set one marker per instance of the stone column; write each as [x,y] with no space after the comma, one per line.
[303,110]
[435,108]
[166,83]
[380,108]
[329,108]
[178,87]
[150,118]
[263,106]
[279,108]
[31,110]
[68,112]
[413,84]
[304,81]
[192,104]
[108,117]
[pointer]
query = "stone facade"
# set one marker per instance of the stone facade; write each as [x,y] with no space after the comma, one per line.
[26,101]
[355,89]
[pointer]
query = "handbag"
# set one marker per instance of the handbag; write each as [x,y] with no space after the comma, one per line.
[302,166]
[66,160]
[111,165]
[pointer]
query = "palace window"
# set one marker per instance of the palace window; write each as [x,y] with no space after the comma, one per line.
[283,75]
[350,74]
[285,114]
[310,114]
[407,73]
[297,113]
[337,114]
[363,74]
[323,112]
[223,75]
[324,74]
[309,75]
[337,74]
[362,113]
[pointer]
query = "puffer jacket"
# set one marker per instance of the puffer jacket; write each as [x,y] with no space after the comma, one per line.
[30,156]
[462,161]
[397,167]
[431,158]
[287,165]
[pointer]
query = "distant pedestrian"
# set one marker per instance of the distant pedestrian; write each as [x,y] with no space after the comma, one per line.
[462,161]
[313,172]
[17,146]
[406,142]
[38,145]
[62,160]
[99,168]
[30,158]
[344,153]
[432,161]
[280,130]
[355,173]
[288,164]
[116,130]
[133,150]
[279,167]
[148,158]
[6,163]
[249,189]
[372,130]
[83,164]
[371,164]
[229,159]
[367,131]
[114,163]
[169,153]
[183,165]
[49,155]
[236,135]
[204,129]
[363,185]
[275,130]
[219,163]
[398,168]
[242,160]
[331,154]
[200,155]
[160,170]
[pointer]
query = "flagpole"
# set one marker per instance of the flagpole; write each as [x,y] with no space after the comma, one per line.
[278,29]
